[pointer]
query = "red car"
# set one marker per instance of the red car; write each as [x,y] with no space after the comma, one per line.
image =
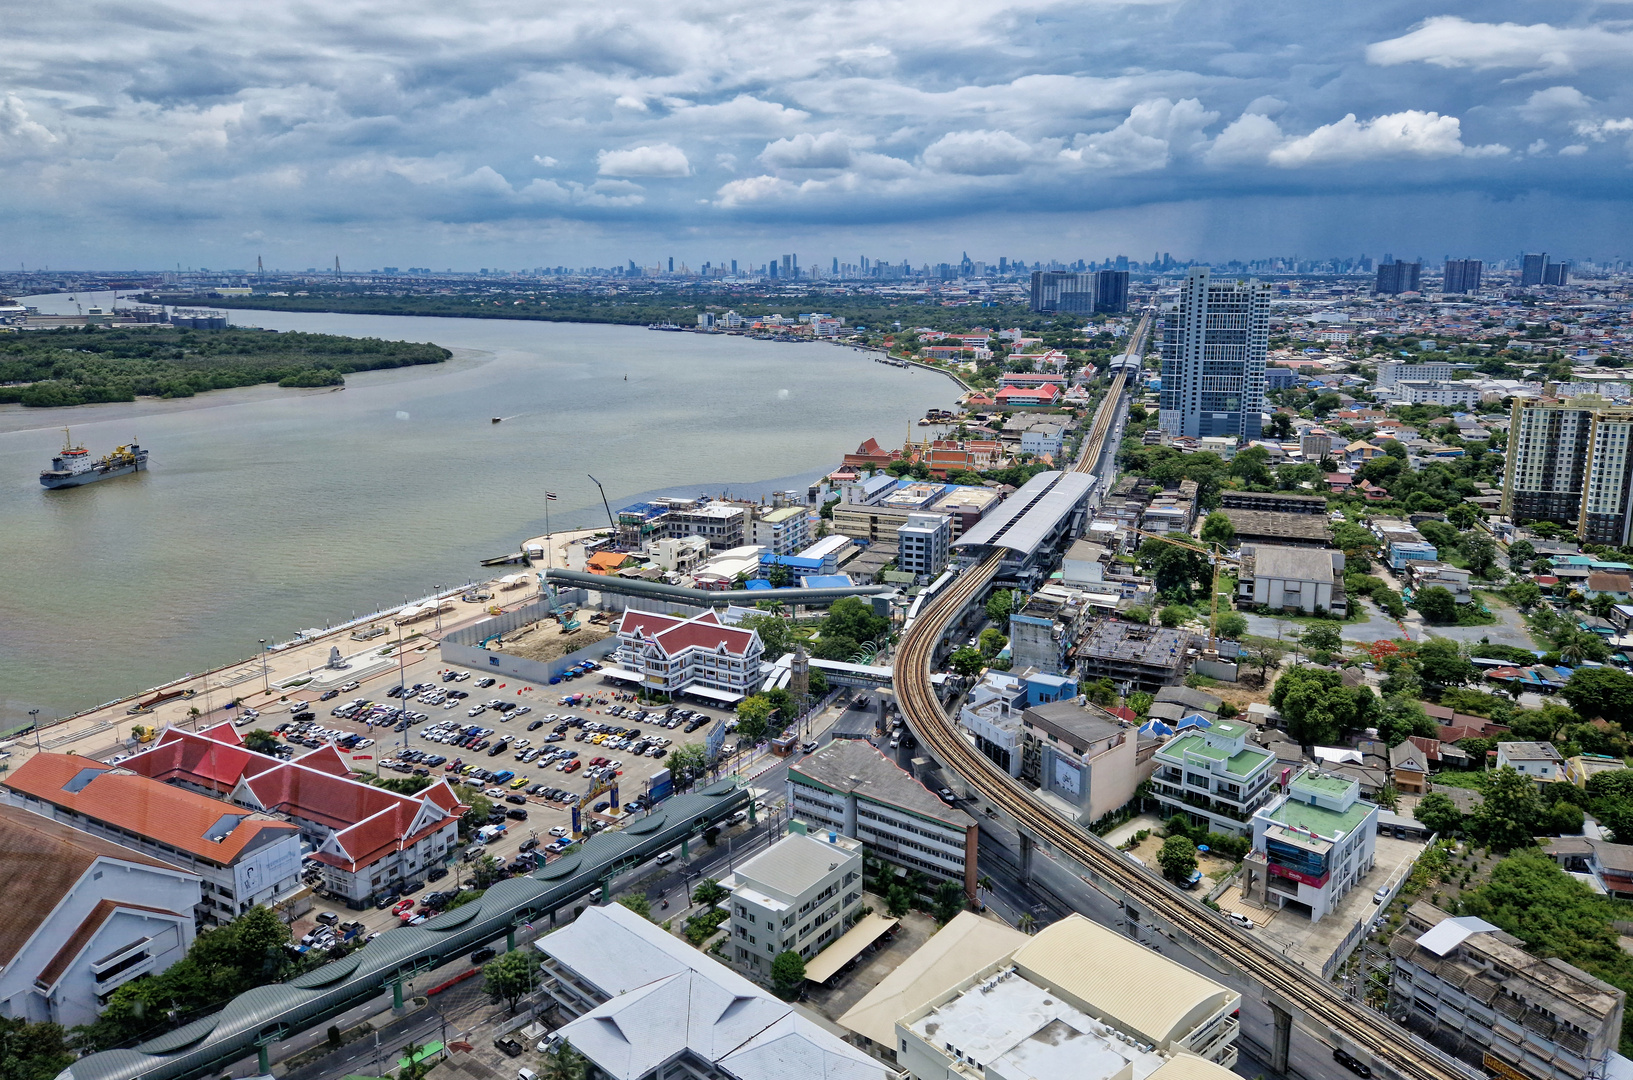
[402,906]
[572,766]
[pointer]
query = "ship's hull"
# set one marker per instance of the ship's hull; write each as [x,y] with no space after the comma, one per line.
[52,481]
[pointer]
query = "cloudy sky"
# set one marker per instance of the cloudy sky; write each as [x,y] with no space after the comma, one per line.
[459,133]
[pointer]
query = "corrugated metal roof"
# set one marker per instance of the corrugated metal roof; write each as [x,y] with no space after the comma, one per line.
[1021,521]
[1115,978]
[793,864]
[828,962]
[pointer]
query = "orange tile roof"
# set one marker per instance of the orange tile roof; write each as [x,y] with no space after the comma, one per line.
[170,815]
[368,821]
[40,861]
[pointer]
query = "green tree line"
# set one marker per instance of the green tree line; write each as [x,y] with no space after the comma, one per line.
[91,364]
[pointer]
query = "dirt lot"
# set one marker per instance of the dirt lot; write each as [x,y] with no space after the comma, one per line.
[544,641]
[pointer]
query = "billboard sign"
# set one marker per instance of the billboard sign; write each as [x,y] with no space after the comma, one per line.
[714,741]
[660,787]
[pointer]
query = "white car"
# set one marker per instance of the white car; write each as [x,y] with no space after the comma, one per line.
[1240,920]
[559,830]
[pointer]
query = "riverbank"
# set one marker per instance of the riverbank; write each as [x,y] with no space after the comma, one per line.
[265,511]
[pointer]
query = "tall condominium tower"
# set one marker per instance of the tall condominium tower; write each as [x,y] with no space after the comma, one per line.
[1533,268]
[1213,351]
[1394,278]
[1462,276]
[1570,462]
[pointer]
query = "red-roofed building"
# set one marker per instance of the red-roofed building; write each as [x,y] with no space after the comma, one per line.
[366,839]
[1022,396]
[870,455]
[245,858]
[700,655]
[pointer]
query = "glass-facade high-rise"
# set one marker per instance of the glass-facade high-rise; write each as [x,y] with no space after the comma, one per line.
[1214,341]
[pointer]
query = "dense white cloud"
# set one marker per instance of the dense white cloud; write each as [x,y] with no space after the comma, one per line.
[1452,42]
[660,159]
[465,122]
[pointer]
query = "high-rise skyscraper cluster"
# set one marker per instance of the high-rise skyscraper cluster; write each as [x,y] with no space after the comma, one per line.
[1214,341]
[1536,269]
[1082,293]
[1570,462]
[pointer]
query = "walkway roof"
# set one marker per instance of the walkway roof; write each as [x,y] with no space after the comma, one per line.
[827,963]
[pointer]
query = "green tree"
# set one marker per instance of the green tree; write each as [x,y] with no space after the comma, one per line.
[898,900]
[992,642]
[1218,530]
[686,763]
[639,904]
[709,892]
[1177,858]
[477,809]
[32,1051]
[1322,640]
[753,716]
[1439,814]
[1000,605]
[1463,515]
[1232,625]
[773,631]
[1252,466]
[1601,692]
[1441,663]
[788,975]
[1524,595]
[947,901]
[1281,426]
[563,1062]
[506,978]
[1399,716]
[1173,615]
[1177,567]
[854,619]
[414,1063]
[1319,708]
[261,741]
[1479,549]
[1437,605]
[967,662]
[1509,816]
[1520,552]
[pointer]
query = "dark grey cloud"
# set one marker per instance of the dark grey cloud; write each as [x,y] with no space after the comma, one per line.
[482,129]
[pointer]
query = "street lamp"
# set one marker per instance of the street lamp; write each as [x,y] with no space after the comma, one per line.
[34,717]
[266,680]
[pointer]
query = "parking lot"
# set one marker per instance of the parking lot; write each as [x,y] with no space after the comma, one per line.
[534,751]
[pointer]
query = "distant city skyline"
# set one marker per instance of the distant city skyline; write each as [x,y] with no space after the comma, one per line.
[473,134]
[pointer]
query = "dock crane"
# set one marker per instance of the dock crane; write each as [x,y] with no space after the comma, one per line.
[605,505]
[1216,558]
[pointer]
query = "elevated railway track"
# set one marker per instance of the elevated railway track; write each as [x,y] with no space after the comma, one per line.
[1288,984]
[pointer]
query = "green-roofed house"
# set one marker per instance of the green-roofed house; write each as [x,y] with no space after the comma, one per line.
[1311,845]
[1215,776]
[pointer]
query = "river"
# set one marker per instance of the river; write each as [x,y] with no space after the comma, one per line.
[265,511]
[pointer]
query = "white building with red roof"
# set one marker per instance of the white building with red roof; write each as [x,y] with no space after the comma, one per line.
[700,655]
[368,840]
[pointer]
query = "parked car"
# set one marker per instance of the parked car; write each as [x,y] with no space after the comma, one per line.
[483,955]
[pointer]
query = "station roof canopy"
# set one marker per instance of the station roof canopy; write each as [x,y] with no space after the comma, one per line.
[1021,522]
[621,674]
[827,963]
[724,696]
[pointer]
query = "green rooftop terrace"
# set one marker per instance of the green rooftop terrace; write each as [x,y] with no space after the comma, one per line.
[1320,820]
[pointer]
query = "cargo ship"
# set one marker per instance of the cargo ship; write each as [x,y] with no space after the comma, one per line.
[75,466]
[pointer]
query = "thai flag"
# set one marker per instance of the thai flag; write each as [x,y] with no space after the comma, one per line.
[551,495]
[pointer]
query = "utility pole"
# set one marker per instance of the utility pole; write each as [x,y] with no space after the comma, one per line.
[266,679]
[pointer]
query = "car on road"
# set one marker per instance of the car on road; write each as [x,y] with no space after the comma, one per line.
[328,695]
[666,858]
[483,955]
[1239,919]
[1351,1062]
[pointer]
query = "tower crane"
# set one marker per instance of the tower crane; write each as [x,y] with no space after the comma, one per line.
[1216,558]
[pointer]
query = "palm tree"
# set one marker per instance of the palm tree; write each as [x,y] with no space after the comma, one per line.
[1025,923]
[563,1063]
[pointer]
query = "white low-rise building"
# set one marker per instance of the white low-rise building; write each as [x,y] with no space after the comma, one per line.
[799,895]
[923,542]
[1297,578]
[1436,393]
[1311,845]
[648,1006]
[84,916]
[699,655]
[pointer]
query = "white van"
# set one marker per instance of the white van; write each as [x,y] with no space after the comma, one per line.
[526,1074]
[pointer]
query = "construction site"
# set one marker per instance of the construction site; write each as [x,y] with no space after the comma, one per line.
[1149,657]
